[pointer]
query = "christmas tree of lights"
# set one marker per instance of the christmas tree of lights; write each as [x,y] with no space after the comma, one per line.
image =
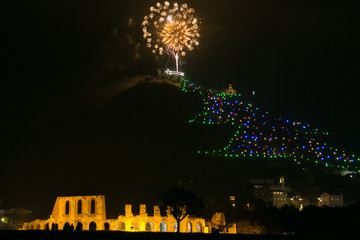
[258,135]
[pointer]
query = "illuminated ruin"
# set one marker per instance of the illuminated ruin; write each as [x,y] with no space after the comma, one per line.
[89,213]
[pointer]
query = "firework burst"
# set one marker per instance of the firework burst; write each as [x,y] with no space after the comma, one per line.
[171,28]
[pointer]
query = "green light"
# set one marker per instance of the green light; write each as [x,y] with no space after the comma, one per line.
[216,107]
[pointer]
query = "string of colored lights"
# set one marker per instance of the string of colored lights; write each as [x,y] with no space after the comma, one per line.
[260,135]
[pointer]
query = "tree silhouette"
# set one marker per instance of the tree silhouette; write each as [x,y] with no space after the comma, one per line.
[181,203]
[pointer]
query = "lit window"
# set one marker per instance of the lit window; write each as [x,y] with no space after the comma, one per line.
[189,227]
[163,227]
[149,226]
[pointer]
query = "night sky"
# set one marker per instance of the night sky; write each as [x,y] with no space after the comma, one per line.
[73,120]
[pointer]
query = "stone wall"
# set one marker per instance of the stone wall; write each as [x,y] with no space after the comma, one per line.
[78,211]
[89,213]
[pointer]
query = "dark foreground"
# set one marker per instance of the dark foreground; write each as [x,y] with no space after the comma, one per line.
[33,234]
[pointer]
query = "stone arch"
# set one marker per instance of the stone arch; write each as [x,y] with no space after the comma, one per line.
[135,226]
[175,226]
[79,226]
[106,226]
[66,226]
[47,226]
[92,226]
[37,227]
[79,206]
[163,227]
[54,226]
[198,227]
[120,226]
[31,227]
[92,206]
[67,207]
[189,227]
[149,227]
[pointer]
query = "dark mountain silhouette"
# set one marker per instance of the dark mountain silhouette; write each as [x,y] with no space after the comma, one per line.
[134,149]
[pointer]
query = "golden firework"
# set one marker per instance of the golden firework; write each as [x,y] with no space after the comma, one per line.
[173,29]
[175,35]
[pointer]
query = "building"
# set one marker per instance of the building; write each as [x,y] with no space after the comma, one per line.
[82,212]
[299,202]
[89,213]
[218,224]
[156,222]
[232,201]
[230,90]
[271,192]
[330,200]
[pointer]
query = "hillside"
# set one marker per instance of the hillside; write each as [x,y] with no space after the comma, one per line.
[136,147]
